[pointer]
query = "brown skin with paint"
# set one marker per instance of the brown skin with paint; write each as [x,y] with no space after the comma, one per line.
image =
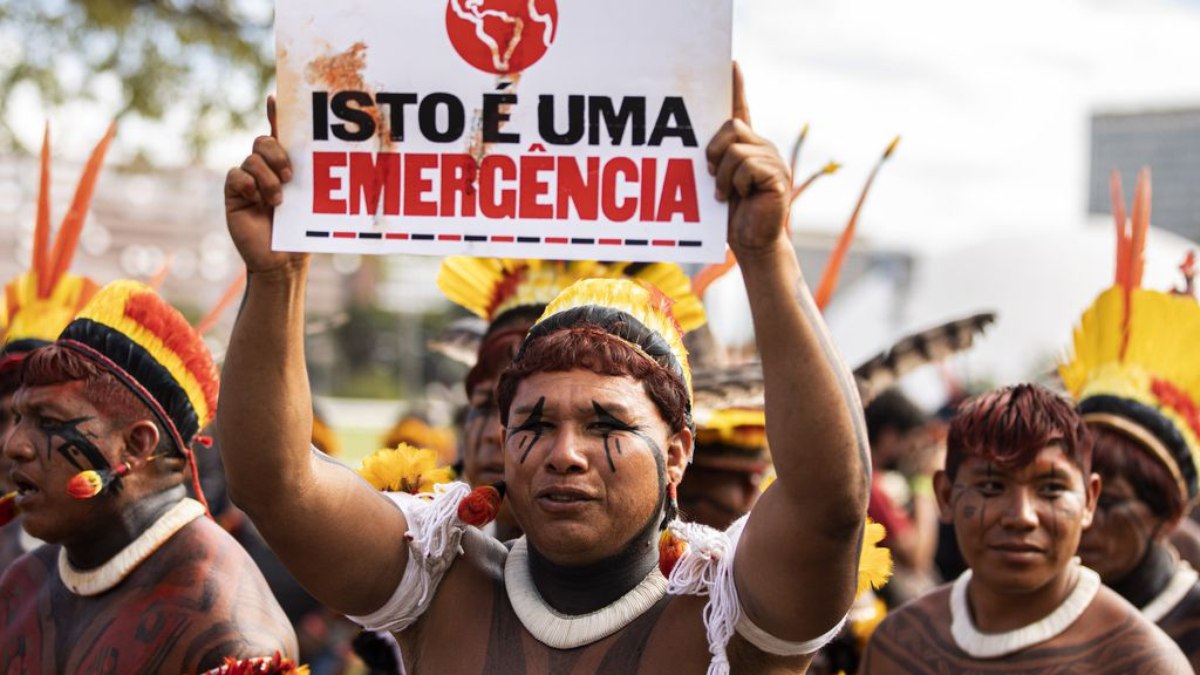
[196,600]
[1018,530]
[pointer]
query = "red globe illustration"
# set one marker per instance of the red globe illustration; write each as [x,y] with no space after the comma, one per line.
[501,36]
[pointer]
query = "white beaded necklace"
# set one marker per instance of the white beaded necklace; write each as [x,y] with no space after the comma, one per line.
[1181,582]
[107,576]
[992,645]
[563,631]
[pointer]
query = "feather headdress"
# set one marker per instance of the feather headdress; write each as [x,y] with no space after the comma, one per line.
[1134,366]
[732,439]
[43,300]
[148,345]
[489,287]
[655,330]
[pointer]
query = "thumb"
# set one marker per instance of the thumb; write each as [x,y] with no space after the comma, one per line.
[741,110]
[271,116]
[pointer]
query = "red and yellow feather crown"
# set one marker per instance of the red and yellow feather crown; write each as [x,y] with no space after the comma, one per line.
[489,287]
[139,337]
[1134,365]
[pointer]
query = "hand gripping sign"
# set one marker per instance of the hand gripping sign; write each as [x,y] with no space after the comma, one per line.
[514,128]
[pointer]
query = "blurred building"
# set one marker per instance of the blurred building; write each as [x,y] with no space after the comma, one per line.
[1167,141]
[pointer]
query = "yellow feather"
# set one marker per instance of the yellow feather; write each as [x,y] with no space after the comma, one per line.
[488,287]
[633,299]
[404,469]
[1162,328]
[738,427]
[874,561]
[31,316]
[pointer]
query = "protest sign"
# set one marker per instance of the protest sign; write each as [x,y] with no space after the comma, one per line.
[513,128]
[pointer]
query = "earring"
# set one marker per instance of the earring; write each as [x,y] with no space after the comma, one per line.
[88,484]
[671,512]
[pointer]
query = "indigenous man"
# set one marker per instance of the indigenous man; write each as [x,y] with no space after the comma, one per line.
[1019,489]
[510,295]
[134,578]
[1136,377]
[597,432]
[37,306]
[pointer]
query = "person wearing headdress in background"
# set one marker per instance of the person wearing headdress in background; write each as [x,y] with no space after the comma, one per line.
[596,411]
[728,466]
[37,306]
[134,576]
[1135,376]
[510,295]
[1018,487]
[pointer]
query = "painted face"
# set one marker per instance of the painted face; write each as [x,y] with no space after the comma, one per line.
[58,434]
[483,456]
[6,426]
[717,497]
[1018,529]
[587,458]
[1121,532]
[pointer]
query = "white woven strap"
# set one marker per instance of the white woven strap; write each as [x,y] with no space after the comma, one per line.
[706,568]
[434,542]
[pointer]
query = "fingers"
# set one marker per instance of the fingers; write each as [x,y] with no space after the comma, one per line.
[240,184]
[275,156]
[733,131]
[267,183]
[741,109]
[731,176]
[271,116]
[758,173]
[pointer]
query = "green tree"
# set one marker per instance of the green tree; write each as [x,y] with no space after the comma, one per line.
[208,60]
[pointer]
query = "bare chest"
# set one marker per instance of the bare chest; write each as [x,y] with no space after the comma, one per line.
[127,630]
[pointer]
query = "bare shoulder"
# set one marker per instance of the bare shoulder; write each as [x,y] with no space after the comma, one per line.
[1182,624]
[915,638]
[204,578]
[1112,632]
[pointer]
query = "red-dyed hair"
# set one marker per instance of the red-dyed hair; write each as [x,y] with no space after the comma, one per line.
[590,347]
[1009,426]
[52,365]
[1116,454]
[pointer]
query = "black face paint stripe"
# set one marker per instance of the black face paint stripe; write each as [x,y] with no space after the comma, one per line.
[533,423]
[75,440]
[614,424]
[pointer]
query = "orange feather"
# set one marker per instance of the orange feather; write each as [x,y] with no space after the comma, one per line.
[68,232]
[227,298]
[41,230]
[160,276]
[1140,226]
[833,269]
[711,273]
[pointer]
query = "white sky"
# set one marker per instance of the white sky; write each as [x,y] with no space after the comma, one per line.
[992,101]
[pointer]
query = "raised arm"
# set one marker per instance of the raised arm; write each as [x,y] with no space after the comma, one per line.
[340,538]
[797,559]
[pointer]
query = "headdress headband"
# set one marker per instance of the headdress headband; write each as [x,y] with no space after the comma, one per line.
[637,313]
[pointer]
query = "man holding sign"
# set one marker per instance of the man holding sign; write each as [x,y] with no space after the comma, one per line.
[596,439]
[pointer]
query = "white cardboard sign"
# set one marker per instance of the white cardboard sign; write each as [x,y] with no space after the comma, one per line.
[564,129]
